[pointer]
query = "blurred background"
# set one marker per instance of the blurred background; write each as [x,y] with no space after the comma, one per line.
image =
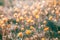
[29,19]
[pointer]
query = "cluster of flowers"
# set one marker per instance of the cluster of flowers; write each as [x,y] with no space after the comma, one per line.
[23,20]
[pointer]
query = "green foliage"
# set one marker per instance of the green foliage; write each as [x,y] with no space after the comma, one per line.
[54,28]
[1,2]
[52,25]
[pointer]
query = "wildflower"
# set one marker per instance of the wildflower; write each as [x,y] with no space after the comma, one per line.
[57,12]
[44,22]
[22,29]
[5,19]
[15,15]
[20,34]
[35,12]
[59,32]
[29,20]
[32,20]
[1,22]
[21,18]
[2,15]
[28,32]
[55,2]
[43,39]
[3,25]
[31,27]
[46,28]
[37,16]
[50,18]
[17,20]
